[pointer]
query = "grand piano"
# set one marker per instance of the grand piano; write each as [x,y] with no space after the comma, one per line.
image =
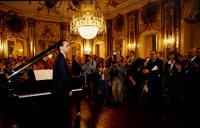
[29,88]
[30,101]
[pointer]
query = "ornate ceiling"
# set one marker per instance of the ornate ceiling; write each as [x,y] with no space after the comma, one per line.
[191,10]
[62,10]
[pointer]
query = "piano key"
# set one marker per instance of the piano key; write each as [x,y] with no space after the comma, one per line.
[77,90]
[33,95]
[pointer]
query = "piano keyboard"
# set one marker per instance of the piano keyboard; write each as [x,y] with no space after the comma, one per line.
[41,94]
[33,95]
[77,90]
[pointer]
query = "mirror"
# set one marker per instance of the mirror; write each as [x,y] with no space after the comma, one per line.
[15,48]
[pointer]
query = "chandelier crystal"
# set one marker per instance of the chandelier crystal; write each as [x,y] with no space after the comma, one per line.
[88,21]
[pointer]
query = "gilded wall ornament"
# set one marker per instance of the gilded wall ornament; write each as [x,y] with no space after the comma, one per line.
[119,22]
[149,14]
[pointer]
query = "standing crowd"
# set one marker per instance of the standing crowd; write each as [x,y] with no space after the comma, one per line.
[127,79]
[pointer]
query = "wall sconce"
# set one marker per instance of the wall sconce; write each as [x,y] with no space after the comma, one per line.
[169,41]
[87,49]
[20,50]
[131,46]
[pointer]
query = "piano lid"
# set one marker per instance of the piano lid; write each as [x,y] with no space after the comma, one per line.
[31,61]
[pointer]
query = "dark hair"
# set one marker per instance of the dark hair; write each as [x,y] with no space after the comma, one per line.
[132,51]
[176,54]
[154,51]
[60,43]
[87,60]
[171,53]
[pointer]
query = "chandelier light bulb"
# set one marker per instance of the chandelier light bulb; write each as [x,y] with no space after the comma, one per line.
[88,21]
[88,32]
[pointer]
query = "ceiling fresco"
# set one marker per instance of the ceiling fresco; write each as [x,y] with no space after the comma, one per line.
[64,9]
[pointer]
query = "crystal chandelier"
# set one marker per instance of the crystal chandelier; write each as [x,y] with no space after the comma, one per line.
[88,20]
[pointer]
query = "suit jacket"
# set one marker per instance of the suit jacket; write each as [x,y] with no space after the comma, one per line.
[168,71]
[192,65]
[61,76]
[76,68]
[157,73]
[173,77]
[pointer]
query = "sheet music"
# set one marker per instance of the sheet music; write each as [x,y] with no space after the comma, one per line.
[44,74]
[154,68]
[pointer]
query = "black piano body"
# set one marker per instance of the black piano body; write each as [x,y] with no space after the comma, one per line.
[29,101]
[3,90]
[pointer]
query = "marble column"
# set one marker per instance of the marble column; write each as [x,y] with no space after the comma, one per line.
[31,37]
[109,37]
[63,30]
[1,36]
[177,26]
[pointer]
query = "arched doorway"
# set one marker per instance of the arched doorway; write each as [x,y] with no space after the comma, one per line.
[15,47]
[118,45]
[149,41]
[190,26]
[99,49]
[75,49]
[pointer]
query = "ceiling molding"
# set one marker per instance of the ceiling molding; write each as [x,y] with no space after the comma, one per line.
[191,11]
[29,9]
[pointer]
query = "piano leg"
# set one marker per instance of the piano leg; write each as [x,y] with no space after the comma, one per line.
[78,103]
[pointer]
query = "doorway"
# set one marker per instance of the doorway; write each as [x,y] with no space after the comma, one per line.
[15,48]
[148,42]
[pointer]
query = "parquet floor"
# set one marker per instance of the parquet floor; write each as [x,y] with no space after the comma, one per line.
[124,116]
[97,114]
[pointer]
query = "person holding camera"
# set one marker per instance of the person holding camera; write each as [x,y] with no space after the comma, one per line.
[89,69]
[118,77]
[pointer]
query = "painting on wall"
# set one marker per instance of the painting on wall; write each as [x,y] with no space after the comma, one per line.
[47,35]
[42,45]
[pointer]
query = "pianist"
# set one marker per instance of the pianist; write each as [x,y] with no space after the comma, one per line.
[61,86]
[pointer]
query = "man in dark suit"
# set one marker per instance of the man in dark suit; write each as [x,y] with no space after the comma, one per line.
[153,73]
[173,74]
[191,86]
[77,80]
[76,67]
[61,86]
